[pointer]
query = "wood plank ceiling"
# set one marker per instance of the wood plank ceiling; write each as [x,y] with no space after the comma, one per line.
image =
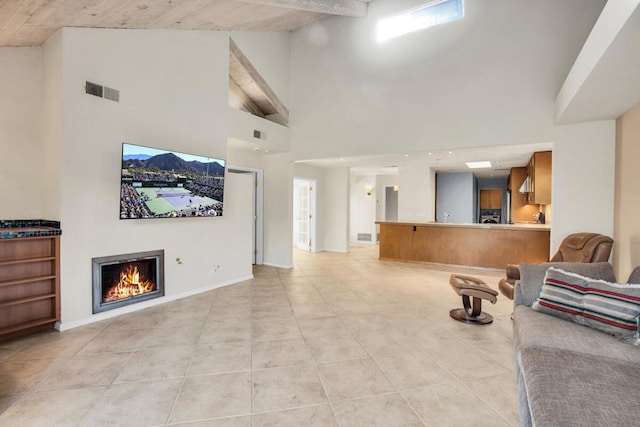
[32,22]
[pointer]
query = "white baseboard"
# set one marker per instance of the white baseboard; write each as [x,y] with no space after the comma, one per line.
[340,251]
[63,326]
[361,242]
[289,266]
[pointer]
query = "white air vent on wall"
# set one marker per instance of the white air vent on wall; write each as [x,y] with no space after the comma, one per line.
[102,91]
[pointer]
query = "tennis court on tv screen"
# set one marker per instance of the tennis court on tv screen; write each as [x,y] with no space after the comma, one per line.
[147,194]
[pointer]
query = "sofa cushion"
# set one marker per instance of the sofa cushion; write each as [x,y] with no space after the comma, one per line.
[566,388]
[532,277]
[634,277]
[608,307]
[533,329]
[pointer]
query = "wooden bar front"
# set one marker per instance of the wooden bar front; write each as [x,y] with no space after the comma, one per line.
[470,245]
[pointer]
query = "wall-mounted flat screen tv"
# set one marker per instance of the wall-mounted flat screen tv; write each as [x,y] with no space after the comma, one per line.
[158,183]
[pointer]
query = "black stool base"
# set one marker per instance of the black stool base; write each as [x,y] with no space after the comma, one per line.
[460,314]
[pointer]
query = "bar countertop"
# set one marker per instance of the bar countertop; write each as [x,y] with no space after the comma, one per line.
[21,228]
[472,245]
[522,227]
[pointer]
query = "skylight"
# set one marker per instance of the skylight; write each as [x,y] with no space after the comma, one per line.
[428,15]
[478,165]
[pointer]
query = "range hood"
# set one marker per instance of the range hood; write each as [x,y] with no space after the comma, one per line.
[524,188]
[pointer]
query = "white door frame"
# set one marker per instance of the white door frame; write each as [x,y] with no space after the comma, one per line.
[313,184]
[258,222]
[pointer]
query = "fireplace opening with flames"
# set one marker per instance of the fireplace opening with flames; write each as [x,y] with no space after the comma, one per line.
[126,279]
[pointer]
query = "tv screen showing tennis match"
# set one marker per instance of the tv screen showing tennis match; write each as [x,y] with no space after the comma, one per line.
[158,183]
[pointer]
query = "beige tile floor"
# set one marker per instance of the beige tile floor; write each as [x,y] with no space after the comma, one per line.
[340,340]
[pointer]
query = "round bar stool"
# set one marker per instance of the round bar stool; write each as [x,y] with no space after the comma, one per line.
[467,287]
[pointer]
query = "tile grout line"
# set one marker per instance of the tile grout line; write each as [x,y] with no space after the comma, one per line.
[315,366]
[370,357]
[186,371]
[397,391]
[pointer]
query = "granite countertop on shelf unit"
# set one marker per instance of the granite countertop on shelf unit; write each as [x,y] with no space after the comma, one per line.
[19,228]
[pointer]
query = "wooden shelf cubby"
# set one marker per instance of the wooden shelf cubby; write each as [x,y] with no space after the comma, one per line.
[29,284]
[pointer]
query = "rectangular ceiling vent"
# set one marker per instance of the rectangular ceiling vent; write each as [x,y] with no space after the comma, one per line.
[112,94]
[102,91]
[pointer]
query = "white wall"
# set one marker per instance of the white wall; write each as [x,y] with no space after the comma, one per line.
[278,210]
[583,175]
[22,159]
[335,208]
[488,79]
[245,158]
[240,126]
[416,195]
[173,94]
[52,126]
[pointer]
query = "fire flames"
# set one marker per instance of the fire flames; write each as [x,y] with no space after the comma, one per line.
[129,285]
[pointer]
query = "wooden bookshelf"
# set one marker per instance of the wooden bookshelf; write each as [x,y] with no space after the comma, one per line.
[29,284]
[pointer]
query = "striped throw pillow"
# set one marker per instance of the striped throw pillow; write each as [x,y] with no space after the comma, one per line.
[608,307]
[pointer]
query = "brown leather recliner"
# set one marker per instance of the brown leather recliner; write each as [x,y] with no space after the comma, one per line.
[578,247]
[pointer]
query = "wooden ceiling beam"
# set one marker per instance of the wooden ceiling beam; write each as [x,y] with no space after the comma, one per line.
[354,8]
[259,80]
[244,99]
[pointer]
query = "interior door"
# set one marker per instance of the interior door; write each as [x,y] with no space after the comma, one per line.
[304,214]
[256,213]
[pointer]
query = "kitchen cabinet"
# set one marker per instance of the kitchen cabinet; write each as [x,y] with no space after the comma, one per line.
[491,199]
[539,171]
[521,210]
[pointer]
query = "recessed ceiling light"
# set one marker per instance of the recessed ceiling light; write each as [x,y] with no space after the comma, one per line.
[478,165]
[429,153]
[256,149]
[450,152]
[406,155]
[342,160]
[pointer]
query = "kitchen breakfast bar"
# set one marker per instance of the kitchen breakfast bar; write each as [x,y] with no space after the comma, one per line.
[475,245]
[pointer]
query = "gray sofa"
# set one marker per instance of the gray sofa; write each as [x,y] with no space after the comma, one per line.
[568,374]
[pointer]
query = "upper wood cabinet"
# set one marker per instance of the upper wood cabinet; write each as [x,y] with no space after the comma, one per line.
[521,210]
[539,172]
[491,199]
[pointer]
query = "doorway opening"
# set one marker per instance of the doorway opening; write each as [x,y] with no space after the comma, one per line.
[390,203]
[257,213]
[304,214]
